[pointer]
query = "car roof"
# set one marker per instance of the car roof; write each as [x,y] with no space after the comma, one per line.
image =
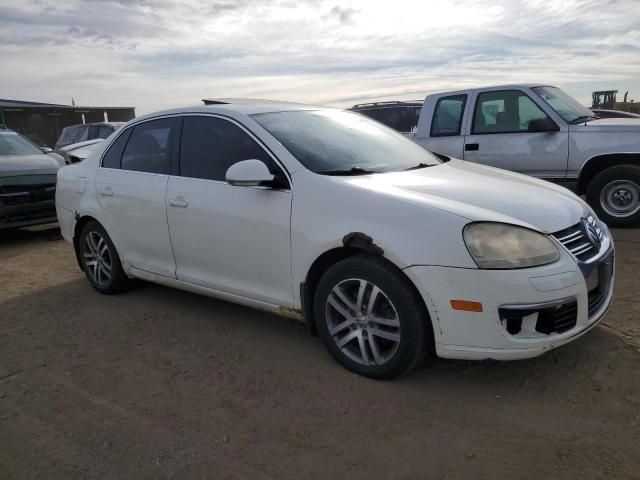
[242,106]
[95,124]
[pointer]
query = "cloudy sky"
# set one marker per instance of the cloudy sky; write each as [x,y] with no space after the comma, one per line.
[158,54]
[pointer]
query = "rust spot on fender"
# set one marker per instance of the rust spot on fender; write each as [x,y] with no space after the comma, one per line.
[289,312]
[362,241]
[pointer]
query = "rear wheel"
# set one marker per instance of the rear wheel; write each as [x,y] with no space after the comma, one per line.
[615,195]
[100,260]
[370,318]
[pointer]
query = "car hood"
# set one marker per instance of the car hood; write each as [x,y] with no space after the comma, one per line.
[608,125]
[27,164]
[481,193]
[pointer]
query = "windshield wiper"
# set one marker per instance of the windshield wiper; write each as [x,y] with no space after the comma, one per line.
[420,165]
[580,119]
[347,171]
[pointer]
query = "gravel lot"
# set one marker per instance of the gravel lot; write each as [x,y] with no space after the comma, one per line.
[158,384]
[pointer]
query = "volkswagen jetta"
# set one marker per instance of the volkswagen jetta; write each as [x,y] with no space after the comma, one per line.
[387,251]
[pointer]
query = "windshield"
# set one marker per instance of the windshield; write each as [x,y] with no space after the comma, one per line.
[13,144]
[565,105]
[335,141]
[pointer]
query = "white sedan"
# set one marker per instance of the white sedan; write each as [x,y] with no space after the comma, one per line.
[387,252]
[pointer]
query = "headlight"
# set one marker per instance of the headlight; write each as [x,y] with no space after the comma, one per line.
[501,246]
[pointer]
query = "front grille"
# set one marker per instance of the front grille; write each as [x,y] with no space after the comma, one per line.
[598,295]
[25,194]
[28,215]
[576,241]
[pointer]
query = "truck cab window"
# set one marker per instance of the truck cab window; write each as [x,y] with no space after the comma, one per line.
[447,116]
[506,111]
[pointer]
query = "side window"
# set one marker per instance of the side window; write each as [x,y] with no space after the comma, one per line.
[369,113]
[149,147]
[67,135]
[113,156]
[104,132]
[209,146]
[83,134]
[447,116]
[527,111]
[391,117]
[507,111]
[407,119]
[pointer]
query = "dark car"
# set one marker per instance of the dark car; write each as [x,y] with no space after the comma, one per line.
[85,131]
[27,182]
[401,116]
[601,113]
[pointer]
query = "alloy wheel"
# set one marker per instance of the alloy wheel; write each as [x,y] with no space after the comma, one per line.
[97,258]
[363,322]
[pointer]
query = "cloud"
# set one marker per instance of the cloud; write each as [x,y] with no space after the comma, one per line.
[156,54]
[344,14]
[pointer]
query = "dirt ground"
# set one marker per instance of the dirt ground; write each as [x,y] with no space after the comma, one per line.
[161,384]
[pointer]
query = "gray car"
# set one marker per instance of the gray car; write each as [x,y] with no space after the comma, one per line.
[27,182]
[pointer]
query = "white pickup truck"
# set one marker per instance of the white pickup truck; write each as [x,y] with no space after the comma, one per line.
[539,130]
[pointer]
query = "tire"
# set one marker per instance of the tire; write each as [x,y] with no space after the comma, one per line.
[360,342]
[614,194]
[106,275]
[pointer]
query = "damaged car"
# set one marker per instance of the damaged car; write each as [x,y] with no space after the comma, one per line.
[387,252]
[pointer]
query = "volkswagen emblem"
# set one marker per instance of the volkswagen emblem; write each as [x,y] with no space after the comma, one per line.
[589,228]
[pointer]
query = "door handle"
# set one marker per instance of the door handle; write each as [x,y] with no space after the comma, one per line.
[107,192]
[178,202]
[472,147]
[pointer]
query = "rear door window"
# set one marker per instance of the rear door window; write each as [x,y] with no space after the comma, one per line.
[149,147]
[447,116]
[113,156]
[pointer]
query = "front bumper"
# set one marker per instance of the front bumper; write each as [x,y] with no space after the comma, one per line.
[532,294]
[26,201]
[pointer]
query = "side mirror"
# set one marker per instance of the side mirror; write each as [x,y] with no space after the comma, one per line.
[543,125]
[249,173]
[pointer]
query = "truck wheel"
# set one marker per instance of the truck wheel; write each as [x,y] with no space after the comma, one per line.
[614,194]
[370,318]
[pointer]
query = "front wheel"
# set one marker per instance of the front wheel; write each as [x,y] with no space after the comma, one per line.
[614,194]
[370,317]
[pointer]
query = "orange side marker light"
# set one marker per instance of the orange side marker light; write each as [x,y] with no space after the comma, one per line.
[466,305]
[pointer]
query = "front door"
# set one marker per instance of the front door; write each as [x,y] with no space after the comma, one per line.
[499,136]
[229,238]
[131,185]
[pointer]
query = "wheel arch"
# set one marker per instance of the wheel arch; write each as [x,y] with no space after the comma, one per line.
[599,163]
[80,223]
[354,244]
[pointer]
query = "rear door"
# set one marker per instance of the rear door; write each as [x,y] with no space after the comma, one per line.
[445,130]
[131,184]
[498,136]
[229,238]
